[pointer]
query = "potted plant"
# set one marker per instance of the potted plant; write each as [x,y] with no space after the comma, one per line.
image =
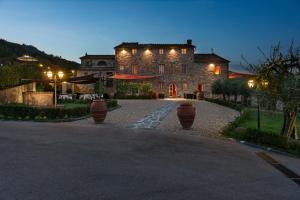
[186,115]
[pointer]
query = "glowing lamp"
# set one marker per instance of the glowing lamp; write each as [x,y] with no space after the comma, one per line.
[265,83]
[251,83]
[123,51]
[147,51]
[211,67]
[60,74]
[50,74]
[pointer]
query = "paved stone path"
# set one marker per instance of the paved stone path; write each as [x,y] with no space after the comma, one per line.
[153,119]
[210,119]
[161,114]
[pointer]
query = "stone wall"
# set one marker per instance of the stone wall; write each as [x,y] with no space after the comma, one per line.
[173,60]
[38,98]
[14,95]
[148,60]
[104,67]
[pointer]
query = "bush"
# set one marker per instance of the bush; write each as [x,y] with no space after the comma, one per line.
[111,103]
[118,96]
[261,137]
[161,95]
[229,104]
[19,111]
[75,101]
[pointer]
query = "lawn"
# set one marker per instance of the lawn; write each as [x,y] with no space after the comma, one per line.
[271,121]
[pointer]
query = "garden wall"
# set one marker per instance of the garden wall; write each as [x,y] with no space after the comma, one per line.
[14,94]
[38,98]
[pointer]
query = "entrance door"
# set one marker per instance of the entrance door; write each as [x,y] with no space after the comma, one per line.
[172,90]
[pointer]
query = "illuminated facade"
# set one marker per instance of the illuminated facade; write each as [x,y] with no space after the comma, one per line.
[175,69]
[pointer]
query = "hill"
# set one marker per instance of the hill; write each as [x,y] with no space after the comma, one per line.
[9,52]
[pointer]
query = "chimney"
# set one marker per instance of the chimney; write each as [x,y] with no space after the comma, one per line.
[189,42]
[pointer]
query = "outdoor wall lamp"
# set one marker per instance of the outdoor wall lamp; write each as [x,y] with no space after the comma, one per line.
[211,67]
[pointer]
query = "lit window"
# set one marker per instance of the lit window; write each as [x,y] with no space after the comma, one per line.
[161,51]
[184,86]
[161,69]
[135,70]
[122,68]
[134,51]
[183,51]
[184,69]
[217,70]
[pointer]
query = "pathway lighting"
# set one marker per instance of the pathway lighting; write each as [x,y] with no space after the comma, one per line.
[55,77]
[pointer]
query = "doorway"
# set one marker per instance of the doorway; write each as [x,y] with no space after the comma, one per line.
[172,90]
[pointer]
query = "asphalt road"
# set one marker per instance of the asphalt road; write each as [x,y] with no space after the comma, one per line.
[64,161]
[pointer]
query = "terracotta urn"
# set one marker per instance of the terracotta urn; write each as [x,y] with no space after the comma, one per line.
[186,115]
[98,110]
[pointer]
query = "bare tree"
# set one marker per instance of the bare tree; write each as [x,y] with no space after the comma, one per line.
[280,74]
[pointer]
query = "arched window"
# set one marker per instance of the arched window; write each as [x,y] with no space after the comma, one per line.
[101,63]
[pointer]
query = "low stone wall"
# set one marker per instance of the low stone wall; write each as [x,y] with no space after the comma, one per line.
[13,95]
[38,98]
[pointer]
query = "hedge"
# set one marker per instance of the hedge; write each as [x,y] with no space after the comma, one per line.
[261,137]
[229,104]
[23,112]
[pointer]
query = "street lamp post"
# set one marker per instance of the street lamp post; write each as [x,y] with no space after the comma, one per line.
[60,75]
[251,85]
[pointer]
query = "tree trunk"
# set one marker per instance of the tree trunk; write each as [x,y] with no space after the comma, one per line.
[289,128]
[224,97]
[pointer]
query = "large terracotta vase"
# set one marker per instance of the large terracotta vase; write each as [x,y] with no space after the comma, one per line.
[98,110]
[186,115]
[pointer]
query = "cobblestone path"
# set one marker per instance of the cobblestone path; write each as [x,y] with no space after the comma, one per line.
[153,119]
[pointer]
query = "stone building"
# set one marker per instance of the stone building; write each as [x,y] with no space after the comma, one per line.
[172,69]
[102,66]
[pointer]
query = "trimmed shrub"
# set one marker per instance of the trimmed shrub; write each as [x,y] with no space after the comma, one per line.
[22,112]
[261,137]
[229,104]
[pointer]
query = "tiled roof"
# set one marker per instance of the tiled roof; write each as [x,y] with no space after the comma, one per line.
[86,56]
[138,45]
[208,57]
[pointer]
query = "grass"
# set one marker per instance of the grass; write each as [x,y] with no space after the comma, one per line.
[271,121]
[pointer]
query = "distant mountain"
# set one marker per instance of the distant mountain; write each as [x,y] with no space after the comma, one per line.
[9,52]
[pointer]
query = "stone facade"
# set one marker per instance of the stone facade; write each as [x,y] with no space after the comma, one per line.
[38,98]
[176,67]
[100,65]
[179,70]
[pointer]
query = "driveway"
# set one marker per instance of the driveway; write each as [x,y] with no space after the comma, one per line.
[210,118]
[67,161]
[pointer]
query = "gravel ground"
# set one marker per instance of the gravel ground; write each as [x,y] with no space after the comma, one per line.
[130,112]
[209,121]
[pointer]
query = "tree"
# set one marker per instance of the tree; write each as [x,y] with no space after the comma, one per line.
[231,87]
[280,74]
[217,87]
